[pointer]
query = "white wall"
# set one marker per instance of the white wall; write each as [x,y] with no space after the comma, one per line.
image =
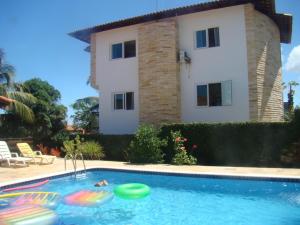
[227,62]
[115,76]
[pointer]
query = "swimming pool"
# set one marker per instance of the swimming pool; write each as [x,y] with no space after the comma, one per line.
[182,199]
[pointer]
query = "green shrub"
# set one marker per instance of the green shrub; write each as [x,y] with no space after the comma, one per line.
[91,150]
[181,156]
[146,146]
[72,147]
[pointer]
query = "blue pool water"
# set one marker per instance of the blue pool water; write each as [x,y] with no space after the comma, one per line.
[182,200]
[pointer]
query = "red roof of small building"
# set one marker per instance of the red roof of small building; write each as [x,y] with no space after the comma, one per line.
[4,101]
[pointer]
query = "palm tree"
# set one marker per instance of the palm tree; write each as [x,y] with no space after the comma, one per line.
[291,95]
[90,101]
[13,98]
[7,72]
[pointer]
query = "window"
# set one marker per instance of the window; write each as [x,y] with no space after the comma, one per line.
[129,101]
[123,50]
[201,95]
[213,37]
[124,101]
[201,39]
[208,38]
[119,101]
[215,94]
[116,51]
[129,49]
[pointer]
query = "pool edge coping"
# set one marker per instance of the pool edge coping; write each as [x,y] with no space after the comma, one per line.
[228,175]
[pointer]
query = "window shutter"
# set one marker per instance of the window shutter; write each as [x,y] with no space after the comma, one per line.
[227,92]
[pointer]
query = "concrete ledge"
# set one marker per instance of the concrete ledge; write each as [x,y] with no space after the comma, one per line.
[10,176]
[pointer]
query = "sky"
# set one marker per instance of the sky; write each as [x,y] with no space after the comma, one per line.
[34,35]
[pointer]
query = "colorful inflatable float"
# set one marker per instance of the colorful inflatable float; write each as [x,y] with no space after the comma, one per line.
[88,198]
[27,215]
[47,199]
[16,194]
[4,203]
[26,186]
[132,191]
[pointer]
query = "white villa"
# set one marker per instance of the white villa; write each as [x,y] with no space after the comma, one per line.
[218,61]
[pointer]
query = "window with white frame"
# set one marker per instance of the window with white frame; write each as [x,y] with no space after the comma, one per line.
[215,94]
[208,38]
[201,39]
[123,101]
[125,49]
[117,51]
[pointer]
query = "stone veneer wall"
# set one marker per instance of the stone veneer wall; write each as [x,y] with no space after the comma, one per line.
[92,77]
[264,67]
[159,84]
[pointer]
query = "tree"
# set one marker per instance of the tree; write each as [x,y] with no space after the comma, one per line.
[291,95]
[84,118]
[16,99]
[290,104]
[49,114]
[7,72]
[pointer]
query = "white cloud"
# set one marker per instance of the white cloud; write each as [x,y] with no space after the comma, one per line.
[293,61]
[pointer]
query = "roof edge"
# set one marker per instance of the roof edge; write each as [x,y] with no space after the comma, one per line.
[267,7]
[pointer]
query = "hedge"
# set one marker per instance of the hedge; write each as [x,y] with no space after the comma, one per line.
[228,144]
[236,144]
[114,145]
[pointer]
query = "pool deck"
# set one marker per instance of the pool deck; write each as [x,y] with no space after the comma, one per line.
[10,175]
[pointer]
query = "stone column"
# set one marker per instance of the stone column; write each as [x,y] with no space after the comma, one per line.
[159,83]
[264,67]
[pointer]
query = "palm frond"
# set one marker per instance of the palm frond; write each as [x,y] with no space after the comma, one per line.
[22,110]
[1,53]
[22,97]
[7,74]
[6,78]
[293,83]
[89,80]
[7,68]
[91,101]
[19,87]
[3,90]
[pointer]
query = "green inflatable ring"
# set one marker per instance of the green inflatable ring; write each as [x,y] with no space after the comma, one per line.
[132,191]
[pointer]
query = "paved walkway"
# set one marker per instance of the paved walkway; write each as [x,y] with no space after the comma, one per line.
[12,175]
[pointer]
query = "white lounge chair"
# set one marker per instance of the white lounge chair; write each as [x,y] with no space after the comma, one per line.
[9,158]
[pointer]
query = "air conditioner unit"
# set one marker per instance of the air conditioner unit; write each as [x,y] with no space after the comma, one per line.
[183,57]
